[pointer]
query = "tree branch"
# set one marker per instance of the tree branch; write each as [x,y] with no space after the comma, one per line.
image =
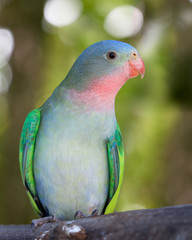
[160,224]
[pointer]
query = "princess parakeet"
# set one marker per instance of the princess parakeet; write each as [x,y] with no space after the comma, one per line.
[71,150]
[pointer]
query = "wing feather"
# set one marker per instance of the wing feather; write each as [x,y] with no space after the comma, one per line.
[26,155]
[115,152]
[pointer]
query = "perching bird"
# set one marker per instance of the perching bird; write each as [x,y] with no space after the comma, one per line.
[71,150]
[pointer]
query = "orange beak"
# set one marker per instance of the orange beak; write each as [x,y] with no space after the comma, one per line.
[138,66]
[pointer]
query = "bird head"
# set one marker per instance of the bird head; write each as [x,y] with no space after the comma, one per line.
[102,69]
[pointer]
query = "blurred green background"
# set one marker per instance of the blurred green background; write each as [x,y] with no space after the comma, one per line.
[40,40]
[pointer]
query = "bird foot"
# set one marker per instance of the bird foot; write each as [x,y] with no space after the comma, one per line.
[40,221]
[80,214]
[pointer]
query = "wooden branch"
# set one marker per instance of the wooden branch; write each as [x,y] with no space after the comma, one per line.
[154,224]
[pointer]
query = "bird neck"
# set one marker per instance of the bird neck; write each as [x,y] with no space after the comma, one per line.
[100,93]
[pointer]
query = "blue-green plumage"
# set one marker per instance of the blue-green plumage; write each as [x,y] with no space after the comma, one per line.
[71,165]
[71,151]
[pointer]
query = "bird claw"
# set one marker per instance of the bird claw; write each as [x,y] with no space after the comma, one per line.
[94,212]
[40,221]
[80,214]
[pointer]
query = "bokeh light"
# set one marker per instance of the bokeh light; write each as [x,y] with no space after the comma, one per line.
[124,21]
[5,79]
[6,46]
[151,37]
[60,13]
[186,17]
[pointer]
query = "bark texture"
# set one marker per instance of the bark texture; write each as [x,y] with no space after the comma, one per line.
[169,223]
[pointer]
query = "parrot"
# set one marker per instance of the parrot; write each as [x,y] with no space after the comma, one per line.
[71,152]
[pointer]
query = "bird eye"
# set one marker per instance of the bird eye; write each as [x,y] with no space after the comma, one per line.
[111,55]
[134,54]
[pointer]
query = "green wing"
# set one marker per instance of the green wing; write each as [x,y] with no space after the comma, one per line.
[26,153]
[116,166]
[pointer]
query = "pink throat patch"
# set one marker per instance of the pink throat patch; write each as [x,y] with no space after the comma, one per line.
[101,92]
